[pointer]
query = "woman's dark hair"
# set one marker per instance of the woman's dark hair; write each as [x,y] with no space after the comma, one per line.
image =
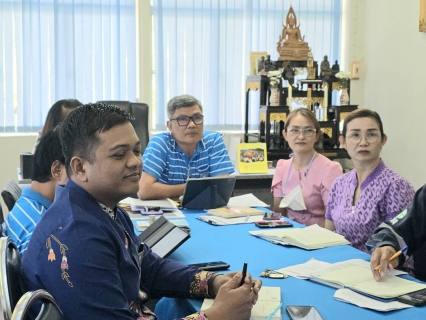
[48,151]
[308,114]
[57,114]
[362,113]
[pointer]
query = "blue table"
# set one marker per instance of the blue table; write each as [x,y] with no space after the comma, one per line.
[233,244]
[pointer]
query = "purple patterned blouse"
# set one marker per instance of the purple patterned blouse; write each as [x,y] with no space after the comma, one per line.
[384,194]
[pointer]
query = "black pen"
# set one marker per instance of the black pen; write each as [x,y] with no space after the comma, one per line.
[244,273]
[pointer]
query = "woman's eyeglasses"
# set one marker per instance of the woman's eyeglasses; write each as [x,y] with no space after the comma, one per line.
[370,137]
[307,132]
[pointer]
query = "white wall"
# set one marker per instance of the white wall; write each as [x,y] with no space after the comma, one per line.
[393,55]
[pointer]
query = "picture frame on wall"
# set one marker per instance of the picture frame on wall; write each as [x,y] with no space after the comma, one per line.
[254,60]
[355,70]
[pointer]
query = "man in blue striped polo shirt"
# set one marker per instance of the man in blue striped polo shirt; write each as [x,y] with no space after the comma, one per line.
[48,171]
[186,151]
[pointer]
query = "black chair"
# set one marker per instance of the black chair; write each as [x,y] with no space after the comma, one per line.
[140,112]
[11,192]
[49,310]
[10,264]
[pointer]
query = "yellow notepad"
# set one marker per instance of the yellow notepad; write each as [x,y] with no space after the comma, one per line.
[252,158]
[235,212]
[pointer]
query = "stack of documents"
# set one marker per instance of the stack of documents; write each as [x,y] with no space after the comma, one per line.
[235,212]
[219,221]
[268,304]
[314,269]
[361,280]
[309,238]
[308,269]
[138,209]
[349,296]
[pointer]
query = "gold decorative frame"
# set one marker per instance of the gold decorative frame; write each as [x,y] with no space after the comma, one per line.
[254,57]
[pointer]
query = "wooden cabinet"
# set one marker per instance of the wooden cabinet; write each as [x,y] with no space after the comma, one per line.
[273,118]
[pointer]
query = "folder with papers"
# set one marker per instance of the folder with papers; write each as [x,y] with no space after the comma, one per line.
[309,238]
[361,280]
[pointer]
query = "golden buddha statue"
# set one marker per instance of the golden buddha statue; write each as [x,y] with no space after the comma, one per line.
[291,45]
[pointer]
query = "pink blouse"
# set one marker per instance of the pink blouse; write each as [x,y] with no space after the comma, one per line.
[321,175]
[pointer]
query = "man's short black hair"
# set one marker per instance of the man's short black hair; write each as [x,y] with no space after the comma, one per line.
[79,131]
[48,150]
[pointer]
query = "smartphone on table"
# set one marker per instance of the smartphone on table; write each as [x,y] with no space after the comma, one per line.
[214,265]
[303,313]
[273,224]
[417,298]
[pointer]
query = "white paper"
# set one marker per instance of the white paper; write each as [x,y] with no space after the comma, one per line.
[167,214]
[219,221]
[304,270]
[246,200]
[349,296]
[162,203]
[355,262]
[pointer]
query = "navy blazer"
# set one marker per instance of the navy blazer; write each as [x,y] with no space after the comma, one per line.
[81,256]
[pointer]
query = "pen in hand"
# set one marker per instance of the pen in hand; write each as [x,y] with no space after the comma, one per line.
[244,273]
[395,255]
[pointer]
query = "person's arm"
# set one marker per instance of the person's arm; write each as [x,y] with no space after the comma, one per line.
[329,225]
[277,208]
[232,300]
[150,188]
[406,229]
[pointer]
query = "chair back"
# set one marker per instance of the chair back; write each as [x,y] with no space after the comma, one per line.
[11,192]
[10,265]
[49,309]
[1,220]
[140,112]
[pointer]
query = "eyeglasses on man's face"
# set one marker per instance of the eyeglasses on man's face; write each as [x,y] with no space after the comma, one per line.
[184,120]
[370,137]
[307,132]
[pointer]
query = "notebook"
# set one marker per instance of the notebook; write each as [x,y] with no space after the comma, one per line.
[361,280]
[309,238]
[268,302]
[235,212]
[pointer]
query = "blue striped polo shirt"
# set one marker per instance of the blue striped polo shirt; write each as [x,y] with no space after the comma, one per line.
[169,164]
[22,220]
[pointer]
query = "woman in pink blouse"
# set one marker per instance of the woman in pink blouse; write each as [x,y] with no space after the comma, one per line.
[371,193]
[300,184]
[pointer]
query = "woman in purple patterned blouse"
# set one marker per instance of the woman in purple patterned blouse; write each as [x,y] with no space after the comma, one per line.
[360,200]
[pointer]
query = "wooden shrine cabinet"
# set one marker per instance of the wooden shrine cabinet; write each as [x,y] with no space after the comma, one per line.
[273,118]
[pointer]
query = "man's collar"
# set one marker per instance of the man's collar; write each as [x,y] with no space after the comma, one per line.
[201,145]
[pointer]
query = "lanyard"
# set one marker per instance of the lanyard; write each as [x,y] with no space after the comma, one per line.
[304,177]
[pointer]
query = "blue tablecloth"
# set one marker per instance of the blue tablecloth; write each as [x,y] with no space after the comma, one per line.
[234,245]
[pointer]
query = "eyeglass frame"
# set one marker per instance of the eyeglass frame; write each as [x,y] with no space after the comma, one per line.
[306,132]
[377,133]
[189,120]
